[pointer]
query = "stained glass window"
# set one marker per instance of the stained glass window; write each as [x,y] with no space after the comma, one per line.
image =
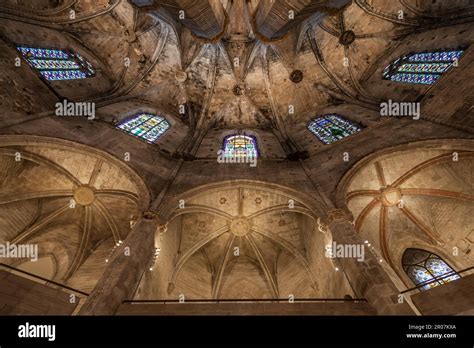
[427,270]
[55,65]
[422,68]
[331,128]
[239,145]
[146,126]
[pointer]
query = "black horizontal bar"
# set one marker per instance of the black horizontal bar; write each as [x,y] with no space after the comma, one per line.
[446,275]
[44,279]
[251,300]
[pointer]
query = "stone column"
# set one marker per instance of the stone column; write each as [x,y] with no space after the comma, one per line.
[121,277]
[367,277]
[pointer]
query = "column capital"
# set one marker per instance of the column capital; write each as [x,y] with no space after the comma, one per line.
[150,215]
[322,226]
[339,214]
[163,228]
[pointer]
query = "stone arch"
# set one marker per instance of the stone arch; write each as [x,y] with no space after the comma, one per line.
[79,189]
[255,217]
[8,141]
[121,109]
[430,251]
[416,244]
[400,198]
[309,202]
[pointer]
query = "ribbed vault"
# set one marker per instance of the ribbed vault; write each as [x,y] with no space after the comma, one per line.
[417,195]
[242,241]
[74,202]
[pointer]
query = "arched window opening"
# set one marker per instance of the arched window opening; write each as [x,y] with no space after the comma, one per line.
[148,127]
[57,65]
[332,127]
[426,269]
[422,68]
[240,146]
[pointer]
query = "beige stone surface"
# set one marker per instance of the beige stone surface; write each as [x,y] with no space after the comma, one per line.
[80,186]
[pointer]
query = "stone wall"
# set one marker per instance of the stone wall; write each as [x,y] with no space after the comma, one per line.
[22,296]
[441,300]
[327,166]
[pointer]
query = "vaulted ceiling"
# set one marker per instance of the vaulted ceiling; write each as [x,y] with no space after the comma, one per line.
[242,242]
[260,72]
[415,197]
[74,204]
[244,66]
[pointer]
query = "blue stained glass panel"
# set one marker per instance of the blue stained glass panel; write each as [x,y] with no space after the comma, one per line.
[43,53]
[146,126]
[48,64]
[427,270]
[422,276]
[438,68]
[438,267]
[446,56]
[425,79]
[422,68]
[331,128]
[56,65]
[63,75]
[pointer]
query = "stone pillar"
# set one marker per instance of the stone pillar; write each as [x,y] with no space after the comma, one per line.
[273,19]
[121,277]
[368,279]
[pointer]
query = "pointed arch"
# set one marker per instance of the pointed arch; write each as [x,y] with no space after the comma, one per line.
[426,269]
